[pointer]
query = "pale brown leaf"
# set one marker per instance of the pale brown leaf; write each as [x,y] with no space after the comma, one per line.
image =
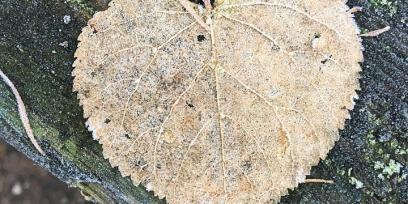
[237,114]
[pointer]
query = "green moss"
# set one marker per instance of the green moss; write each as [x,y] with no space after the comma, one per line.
[43,79]
[83,6]
[357,183]
[388,170]
[389,5]
[383,149]
[393,167]
[405,21]
[402,178]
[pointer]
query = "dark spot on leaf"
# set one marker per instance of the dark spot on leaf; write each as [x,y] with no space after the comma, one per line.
[107,120]
[190,104]
[247,166]
[326,59]
[201,38]
[138,162]
[86,93]
[275,47]
[201,2]
[94,30]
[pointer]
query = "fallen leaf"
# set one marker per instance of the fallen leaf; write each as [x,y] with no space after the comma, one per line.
[237,114]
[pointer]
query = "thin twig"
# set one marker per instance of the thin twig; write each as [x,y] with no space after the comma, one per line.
[189,9]
[22,112]
[208,6]
[355,9]
[318,181]
[376,33]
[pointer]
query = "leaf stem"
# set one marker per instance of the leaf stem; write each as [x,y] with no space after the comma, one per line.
[318,181]
[189,9]
[22,112]
[376,33]
[208,6]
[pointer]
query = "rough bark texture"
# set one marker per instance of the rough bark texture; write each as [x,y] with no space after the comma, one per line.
[368,163]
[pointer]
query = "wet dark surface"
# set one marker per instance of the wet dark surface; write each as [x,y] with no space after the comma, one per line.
[22,182]
[368,164]
[378,130]
[36,52]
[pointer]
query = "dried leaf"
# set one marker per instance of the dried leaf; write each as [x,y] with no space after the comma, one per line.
[238,114]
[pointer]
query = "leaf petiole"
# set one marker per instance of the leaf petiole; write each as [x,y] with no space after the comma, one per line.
[189,9]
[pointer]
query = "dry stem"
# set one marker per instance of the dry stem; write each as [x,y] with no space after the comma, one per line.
[189,9]
[208,5]
[318,181]
[376,33]
[22,112]
[355,9]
